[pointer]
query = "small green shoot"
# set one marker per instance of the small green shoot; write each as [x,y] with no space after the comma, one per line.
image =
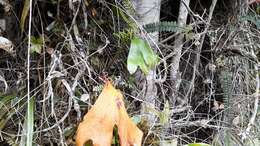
[36,44]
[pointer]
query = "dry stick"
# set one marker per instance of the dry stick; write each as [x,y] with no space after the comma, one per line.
[178,44]
[65,83]
[79,74]
[73,88]
[211,10]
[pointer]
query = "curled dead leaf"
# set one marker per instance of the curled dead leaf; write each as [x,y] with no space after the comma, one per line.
[107,112]
[6,45]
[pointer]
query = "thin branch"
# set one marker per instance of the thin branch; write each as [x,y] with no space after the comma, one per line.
[211,10]
[178,44]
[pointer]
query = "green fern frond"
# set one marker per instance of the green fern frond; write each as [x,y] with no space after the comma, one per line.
[254,19]
[163,26]
[125,36]
[128,6]
[125,11]
[226,85]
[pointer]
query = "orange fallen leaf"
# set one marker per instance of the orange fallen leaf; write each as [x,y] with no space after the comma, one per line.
[129,134]
[98,123]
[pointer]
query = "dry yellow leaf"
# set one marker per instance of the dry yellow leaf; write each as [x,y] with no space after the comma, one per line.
[98,123]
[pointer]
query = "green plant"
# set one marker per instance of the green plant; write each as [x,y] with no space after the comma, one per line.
[229,138]
[166,26]
[28,125]
[6,110]
[226,85]
[164,115]
[127,33]
[26,8]
[141,55]
[36,44]
[128,6]
[125,36]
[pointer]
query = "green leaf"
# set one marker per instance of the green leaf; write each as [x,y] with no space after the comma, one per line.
[197,144]
[4,99]
[5,107]
[36,44]
[26,8]
[141,55]
[30,122]
[149,56]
